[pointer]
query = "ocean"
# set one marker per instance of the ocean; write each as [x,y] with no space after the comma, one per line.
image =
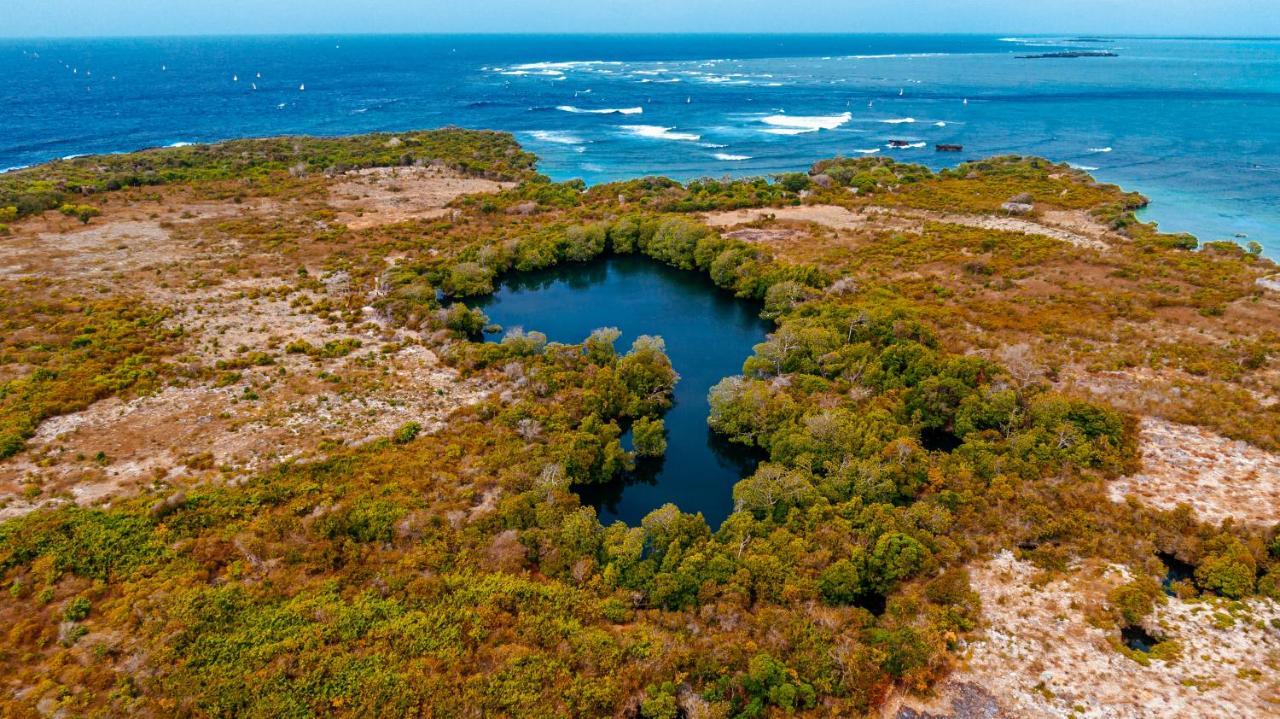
[1191,123]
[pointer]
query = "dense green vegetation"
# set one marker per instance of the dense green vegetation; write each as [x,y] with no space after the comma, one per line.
[455,573]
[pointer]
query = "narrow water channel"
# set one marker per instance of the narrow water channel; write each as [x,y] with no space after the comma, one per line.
[708,334]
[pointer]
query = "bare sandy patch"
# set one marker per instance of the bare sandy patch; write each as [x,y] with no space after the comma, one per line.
[186,434]
[232,299]
[1075,228]
[1039,656]
[1218,477]
[833,216]
[386,195]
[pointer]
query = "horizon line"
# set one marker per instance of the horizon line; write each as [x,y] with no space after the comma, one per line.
[655,33]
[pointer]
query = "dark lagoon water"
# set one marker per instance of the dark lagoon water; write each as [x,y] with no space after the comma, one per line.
[1189,122]
[708,334]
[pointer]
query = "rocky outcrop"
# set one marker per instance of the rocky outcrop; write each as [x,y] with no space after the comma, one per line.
[968,701]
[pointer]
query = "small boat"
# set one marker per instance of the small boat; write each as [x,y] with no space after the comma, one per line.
[235,78]
[901,92]
[302,87]
[254,85]
[949,148]
[966,101]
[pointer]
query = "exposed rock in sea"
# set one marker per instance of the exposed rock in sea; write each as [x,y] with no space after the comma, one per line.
[1072,55]
[1270,283]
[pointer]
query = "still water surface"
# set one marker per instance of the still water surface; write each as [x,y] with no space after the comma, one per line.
[708,334]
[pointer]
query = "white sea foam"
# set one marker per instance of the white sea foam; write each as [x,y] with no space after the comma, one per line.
[180,144]
[911,146]
[557,74]
[561,66]
[602,111]
[940,123]
[556,137]
[898,56]
[900,121]
[1086,168]
[654,132]
[1099,150]
[15,168]
[726,157]
[872,151]
[801,124]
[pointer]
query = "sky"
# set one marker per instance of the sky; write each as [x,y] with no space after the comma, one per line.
[64,18]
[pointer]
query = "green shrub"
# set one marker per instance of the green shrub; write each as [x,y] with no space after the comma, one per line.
[1229,569]
[76,609]
[406,433]
[649,437]
[1133,601]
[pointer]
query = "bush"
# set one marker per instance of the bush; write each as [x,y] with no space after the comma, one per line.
[76,609]
[1133,601]
[1229,569]
[84,213]
[466,321]
[842,582]
[406,433]
[649,437]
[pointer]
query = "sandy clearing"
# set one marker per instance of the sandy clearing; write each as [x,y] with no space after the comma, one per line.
[1070,227]
[155,437]
[1218,477]
[1040,657]
[164,251]
[386,195]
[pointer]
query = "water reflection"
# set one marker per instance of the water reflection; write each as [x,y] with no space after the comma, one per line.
[708,334]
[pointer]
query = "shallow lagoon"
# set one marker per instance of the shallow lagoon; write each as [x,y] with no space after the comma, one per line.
[708,334]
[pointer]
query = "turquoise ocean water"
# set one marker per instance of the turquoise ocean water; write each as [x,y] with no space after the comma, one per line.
[1192,123]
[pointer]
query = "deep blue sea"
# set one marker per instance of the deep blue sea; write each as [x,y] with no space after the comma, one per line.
[1193,124]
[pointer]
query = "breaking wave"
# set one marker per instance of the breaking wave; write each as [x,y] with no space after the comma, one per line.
[602,111]
[654,132]
[801,124]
